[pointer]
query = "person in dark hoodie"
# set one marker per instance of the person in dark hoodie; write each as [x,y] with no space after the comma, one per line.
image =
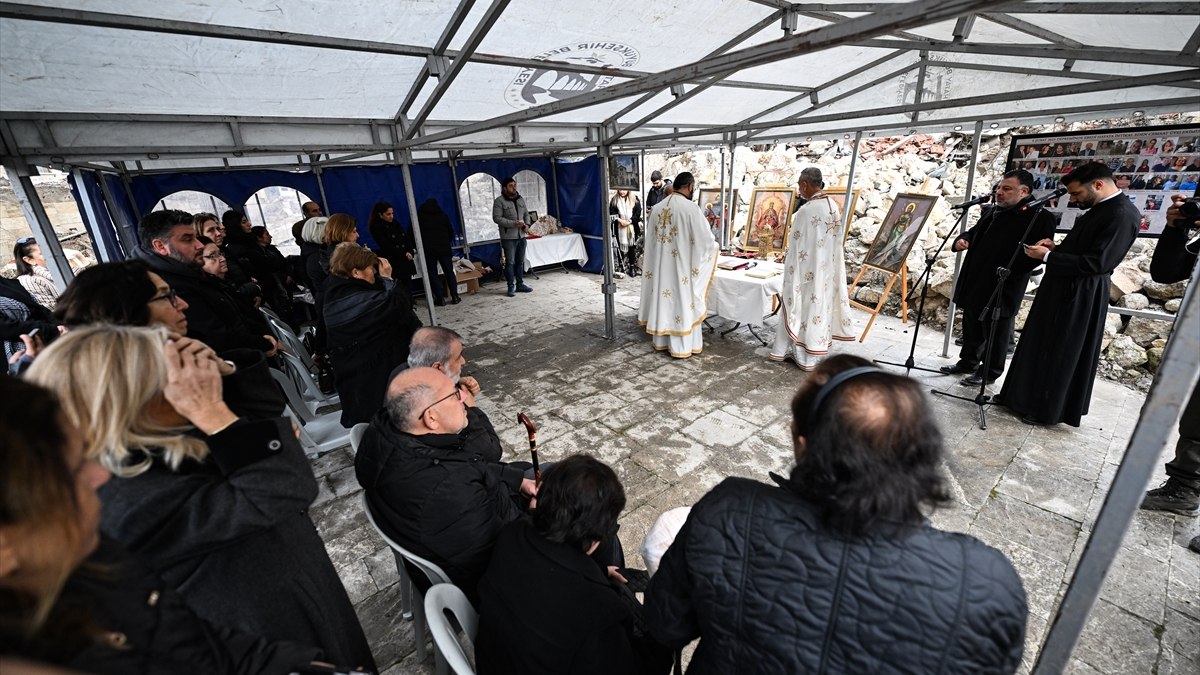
[437,235]
[243,250]
[169,245]
[369,322]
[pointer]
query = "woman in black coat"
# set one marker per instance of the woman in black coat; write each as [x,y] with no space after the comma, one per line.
[395,245]
[369,322]
[71,599]
[215,504]
[546,604]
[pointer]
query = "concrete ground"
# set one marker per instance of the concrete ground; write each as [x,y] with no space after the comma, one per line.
[672,429]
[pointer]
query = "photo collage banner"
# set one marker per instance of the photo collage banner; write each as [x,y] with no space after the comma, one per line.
[1150,164]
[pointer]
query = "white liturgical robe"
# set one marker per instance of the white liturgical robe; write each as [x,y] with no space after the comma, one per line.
[816,308]
[678,264]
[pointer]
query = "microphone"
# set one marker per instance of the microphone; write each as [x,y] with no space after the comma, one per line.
[1045,198]
[982,199]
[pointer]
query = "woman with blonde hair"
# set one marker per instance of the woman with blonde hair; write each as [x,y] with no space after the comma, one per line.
[369,321]
[72,599]
[215,504]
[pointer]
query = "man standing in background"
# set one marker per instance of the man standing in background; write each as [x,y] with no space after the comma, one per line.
[510,214]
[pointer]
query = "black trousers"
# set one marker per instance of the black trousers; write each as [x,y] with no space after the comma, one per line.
[431,265]
[1185,467]
[974,334]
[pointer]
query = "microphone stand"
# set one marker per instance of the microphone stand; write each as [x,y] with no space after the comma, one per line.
[924,279]
[991,312]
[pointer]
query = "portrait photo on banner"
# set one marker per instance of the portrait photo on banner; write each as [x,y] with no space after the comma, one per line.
[899,231]
[712,203]
[623,173]
[769,219]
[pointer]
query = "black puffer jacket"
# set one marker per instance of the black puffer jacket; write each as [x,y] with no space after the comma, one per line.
[438,496]
[754,574]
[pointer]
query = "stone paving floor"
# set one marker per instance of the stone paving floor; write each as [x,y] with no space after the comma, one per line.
[672,429]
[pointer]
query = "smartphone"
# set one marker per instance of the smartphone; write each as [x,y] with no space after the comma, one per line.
[33,333]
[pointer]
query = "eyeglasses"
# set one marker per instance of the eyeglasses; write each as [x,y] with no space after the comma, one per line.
[171,297]
[215,256]
[457,392]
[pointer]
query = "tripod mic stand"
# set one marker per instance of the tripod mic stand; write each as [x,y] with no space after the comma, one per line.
[924,280]
[991,312]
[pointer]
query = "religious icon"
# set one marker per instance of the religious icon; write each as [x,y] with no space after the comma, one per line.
[899,232]
[770,219]
[623,173]
[712,203]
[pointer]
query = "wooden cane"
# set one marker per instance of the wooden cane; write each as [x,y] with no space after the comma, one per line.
[531,429]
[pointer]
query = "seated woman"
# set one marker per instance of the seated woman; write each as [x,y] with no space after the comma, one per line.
[33,273]
[546,605]
[128,293]
[215,504]
[72,600]
[837,569]
[369,322]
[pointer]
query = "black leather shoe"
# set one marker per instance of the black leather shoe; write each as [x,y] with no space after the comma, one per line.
[957,369]
[1032,421]
[973,381]
[455,300]
[440,302]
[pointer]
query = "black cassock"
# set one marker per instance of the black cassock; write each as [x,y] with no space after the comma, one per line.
[1054,367]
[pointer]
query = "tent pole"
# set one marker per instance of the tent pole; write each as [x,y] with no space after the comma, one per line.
[962,225]
[39,223]
[608,287]
[128,185]
[124,232]
[405,159]
[848,215]
[721,192]
[90,222]
[317,171]
[554,182]
[462,221]
[730,203]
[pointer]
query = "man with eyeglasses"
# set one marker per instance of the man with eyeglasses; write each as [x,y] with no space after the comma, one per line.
[428,489]
[170,246]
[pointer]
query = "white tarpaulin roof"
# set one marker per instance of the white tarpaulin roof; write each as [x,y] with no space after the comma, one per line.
[173,84]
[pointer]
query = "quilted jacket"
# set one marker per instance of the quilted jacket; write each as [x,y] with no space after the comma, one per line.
[767,589]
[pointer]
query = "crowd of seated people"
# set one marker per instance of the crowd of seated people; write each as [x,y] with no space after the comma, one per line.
[154,514]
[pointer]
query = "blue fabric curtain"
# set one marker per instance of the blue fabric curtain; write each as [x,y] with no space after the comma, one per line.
[103,233]
[579,196]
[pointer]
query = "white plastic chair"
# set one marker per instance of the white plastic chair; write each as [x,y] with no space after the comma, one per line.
[356,435]
[444,598]
[318,433]
[432,572]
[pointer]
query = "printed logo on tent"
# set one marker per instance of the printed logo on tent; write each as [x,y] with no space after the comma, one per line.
[535,86]
[936,86]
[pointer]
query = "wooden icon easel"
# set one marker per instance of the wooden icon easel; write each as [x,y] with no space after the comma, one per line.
[874,311]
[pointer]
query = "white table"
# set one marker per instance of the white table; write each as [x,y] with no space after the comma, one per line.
[555,249]
[743,299]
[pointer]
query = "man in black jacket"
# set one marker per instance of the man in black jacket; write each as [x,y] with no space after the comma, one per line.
[170,247]
[1173,261]
[428,488]
[656,193]
[989,245]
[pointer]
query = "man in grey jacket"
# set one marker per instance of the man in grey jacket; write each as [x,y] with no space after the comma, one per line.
[509,212]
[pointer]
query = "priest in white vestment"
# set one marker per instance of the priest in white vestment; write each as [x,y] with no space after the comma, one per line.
[816,307]
[678,264]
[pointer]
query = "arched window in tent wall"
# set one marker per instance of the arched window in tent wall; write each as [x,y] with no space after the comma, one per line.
[193,202]
[532,187]
[477,193]
[278,208]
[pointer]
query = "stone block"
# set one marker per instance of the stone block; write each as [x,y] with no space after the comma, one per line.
[1126,279]
[1055,491]
[1133,301]
[1115,641]
[1154,289]
[1145,331]
[1124,352]
[1007,517]
[1137,583]
[1172,305]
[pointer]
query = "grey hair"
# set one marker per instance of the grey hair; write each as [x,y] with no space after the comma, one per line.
[314,229]
[404,407]
[813,175]
[430,345]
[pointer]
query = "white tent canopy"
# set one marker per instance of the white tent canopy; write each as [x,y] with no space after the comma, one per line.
[251,83]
